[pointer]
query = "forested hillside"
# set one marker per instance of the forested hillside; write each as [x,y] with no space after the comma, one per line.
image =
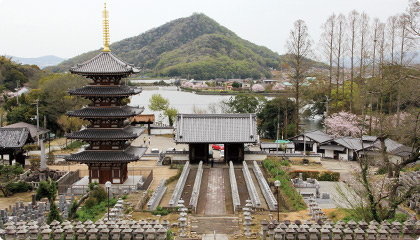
[196,46]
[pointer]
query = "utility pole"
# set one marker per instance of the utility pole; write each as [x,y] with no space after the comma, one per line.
[17,92]
[37,119]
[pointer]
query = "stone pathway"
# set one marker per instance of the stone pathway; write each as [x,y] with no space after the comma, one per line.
[215,204]
[222,225]
[214,236]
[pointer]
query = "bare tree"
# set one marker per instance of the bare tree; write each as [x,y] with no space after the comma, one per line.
[412,17]
[375,28]
[299,49]
[352,23]
[339,39]
[392,24]
[327,42]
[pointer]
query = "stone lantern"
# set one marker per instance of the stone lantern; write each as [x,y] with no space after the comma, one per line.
[359,234]
[46,234]
[264,228]
[58,233]
[150,234]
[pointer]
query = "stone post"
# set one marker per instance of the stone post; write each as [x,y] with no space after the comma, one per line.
[10,234]
[92,234]
[46,234]
[21,234]
[313,234]
[359,234]
[43,157]
[58,234]
[371,234]
[68,234]
[33,234]
[348,234]
[338,234]
[279,233]
[302,234]
[126,234]
[139,234]
[161,232]
[383,234]
[271,227]
[115,234]
[150,234]
[290,234]
[182,219]
[264,228]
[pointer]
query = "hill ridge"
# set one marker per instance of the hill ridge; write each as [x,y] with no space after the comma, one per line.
[195,46]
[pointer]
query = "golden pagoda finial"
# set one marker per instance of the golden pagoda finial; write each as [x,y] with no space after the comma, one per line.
[105,15]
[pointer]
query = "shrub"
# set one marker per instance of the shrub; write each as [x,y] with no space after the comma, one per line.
[73,209]
[124,197]
[320,176]
[35,163]
[17,187]
[293,199]
[50,158]
[31,147]
[53,214]
[99,194]
[90,202]
[95,212]
[46,189]
[176,177]
[160,211]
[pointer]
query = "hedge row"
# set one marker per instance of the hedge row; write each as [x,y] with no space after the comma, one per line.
[320,176]
[293,199]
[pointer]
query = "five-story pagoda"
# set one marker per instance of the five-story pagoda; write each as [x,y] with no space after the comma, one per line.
[109,134]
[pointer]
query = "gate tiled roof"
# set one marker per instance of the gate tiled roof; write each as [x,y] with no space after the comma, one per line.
[216,128]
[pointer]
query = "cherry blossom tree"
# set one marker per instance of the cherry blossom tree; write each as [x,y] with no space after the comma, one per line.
[188,84]
[258,88]
[200,86]
[278,87]
[344,124]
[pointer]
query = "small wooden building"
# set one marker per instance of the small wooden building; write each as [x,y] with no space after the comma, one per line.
[12,141]
[201,130]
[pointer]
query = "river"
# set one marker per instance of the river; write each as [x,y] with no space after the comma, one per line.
[185,102]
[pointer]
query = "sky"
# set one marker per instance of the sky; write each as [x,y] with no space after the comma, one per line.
[66,29]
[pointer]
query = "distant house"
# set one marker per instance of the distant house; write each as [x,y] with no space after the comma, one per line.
[312,140]
[283,146]
[397,152]
[269,81]
[344,148]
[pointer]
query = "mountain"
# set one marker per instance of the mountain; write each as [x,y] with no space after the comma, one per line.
[196,46]
[42,62]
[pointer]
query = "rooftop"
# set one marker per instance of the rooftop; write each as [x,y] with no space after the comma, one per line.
[129,132]
[129,155]
[93,90]
[32,128]
[14,137]
[104,63]
[106,112]
[216,128]
[316,135]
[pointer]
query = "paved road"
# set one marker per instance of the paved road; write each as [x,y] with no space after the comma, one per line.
[215,204]
[345,168]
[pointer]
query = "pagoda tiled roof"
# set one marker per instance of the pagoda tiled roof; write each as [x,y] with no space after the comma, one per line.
[106,112]
[129,132]
[104,63]
[93,90]
[131,154]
